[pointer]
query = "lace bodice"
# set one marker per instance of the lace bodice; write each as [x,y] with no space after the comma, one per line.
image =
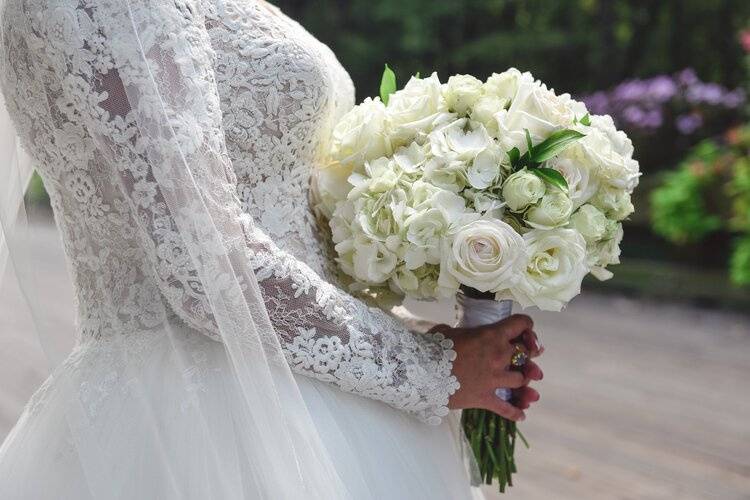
[273,94]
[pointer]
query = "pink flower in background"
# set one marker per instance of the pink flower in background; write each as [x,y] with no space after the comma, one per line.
[745,39]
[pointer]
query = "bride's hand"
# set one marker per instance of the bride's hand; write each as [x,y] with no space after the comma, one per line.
[482,365]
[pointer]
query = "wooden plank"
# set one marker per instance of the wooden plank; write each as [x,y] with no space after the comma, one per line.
[639,400]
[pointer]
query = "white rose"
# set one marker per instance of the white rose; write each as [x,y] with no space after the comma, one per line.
[612,153]
[581,184]
[614,202]
[537,109]
[361,134]
[461,92]
[485,109]
[554,269]
[590,222]
[329,187]
[605,252]
[522,189]
[552,211]
[486,255]
[414,110]
[484,170]
[505,85]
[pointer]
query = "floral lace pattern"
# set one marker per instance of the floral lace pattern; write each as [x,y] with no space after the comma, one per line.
[250,84]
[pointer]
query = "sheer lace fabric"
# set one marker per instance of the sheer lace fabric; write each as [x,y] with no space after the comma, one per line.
[253,99]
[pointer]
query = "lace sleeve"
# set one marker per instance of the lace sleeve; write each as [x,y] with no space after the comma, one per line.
[332,336]
[324,332]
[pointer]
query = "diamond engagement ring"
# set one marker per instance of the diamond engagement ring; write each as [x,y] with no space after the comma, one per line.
[519,358]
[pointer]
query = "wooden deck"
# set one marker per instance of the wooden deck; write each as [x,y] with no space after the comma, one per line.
[639,401]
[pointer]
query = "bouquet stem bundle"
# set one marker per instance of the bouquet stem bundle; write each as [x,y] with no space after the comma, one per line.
[492,438]
[493,442]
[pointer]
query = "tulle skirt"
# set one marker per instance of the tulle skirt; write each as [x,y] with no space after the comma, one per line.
[125,419]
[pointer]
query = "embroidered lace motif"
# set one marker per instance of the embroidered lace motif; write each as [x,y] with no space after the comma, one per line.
[273,94]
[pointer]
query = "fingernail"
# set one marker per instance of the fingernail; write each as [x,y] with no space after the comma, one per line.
[536,345]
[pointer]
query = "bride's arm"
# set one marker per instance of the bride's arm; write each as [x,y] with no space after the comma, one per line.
[332,336]
[325,333]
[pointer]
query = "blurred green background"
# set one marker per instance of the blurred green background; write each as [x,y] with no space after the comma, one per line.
[672,73]
[573,45]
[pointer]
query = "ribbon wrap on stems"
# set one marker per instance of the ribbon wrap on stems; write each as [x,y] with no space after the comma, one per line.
[491,437]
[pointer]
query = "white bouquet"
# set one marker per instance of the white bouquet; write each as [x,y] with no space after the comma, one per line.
[501,188]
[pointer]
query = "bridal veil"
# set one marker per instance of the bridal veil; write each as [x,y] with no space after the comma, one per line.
[194,176]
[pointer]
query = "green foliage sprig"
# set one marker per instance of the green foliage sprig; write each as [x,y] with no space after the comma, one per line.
[387,84]
[535,156]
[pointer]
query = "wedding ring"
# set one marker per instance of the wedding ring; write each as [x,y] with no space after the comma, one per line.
[519,358]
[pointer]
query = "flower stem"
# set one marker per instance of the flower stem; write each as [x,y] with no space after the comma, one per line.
[493,441]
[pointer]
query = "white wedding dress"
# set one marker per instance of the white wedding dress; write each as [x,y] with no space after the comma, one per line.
[377,392]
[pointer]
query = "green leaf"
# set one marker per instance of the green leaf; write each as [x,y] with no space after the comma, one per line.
[514,155]
[417,75]
[387,84]
[586,120]
[554,145]
[528,142]
[551,176]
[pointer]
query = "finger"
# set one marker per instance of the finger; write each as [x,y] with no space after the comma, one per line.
[532,371]
[531,341]
[513,326]
[512,380]
[524,396]
[505,409]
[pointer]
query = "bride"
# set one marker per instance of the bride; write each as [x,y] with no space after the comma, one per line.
[216,357]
